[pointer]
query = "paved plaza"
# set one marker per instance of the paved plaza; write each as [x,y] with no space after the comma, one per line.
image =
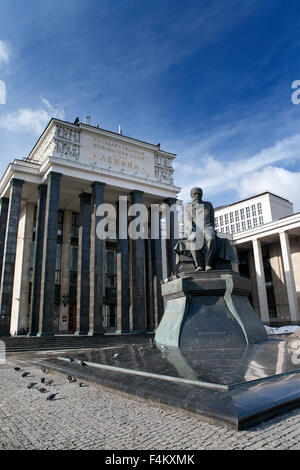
[92,417]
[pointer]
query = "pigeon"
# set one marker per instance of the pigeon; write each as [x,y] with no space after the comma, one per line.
[17,369]
[163,349]
[71,359]
[42,390]
[46,371]
[31,384]
[43,380]
[52,396]
[141,348]
[49,382]
[83,364]
[71,379]
[80,384]
[117,355]
[76,122]
[25,374]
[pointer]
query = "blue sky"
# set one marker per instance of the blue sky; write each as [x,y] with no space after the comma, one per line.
[208,79]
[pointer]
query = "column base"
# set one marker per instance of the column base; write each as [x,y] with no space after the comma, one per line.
[31,334]
[45,333]
[138,332]
[81,333]
[96,333]
[3,334]
[122,332]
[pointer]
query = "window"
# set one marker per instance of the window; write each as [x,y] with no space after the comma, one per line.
[221,220]
[253,208]
[231,217]
[249,223]
[243,225]
[255,222]
[60,223]
[261,220]
[232,229]
[248,212]
[227,229]
[242,214]
[111,268]
[226,219]
[238,227]
[216,222]
[74,258]
[75,226]
[237,216]
[259,208]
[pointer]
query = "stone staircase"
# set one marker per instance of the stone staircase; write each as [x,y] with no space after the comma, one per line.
[52,343]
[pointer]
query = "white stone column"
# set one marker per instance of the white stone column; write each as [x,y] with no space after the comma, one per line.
[20,305]
[289,276]
[261,283]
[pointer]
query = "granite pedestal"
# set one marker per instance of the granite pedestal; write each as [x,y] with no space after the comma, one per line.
[209,310]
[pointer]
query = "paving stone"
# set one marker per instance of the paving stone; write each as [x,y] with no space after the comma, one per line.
[93,417]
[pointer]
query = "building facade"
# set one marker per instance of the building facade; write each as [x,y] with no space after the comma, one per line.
[266,235]
[251,213]
[57,274]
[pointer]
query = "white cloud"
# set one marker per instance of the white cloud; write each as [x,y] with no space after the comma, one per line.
[4,52]
[217,176]
[274,179]
[31,119]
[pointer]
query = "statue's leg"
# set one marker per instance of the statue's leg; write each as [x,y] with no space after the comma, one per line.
[210,246]
[198,259]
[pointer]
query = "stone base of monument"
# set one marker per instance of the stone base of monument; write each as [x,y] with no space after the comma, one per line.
[212,357]
[209,310]
[235,387]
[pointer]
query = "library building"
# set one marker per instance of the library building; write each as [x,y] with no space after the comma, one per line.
[57,275]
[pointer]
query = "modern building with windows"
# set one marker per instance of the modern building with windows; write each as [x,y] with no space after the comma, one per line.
[57,275]
[251,213]
[266,235]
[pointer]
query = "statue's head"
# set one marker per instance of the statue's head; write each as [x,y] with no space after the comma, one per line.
[196,193]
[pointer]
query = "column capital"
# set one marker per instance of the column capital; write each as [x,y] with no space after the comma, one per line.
[170,201]
[136,192]
[98,183]
[42,188]
[4,200]
[85,197]
[16,182]
[55,174]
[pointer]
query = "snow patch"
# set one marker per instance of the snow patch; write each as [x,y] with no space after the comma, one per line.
[271,330]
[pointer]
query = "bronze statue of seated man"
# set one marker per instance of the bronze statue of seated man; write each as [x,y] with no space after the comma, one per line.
[201,242]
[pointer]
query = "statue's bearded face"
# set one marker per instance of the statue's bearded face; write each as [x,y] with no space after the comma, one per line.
[196,194]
